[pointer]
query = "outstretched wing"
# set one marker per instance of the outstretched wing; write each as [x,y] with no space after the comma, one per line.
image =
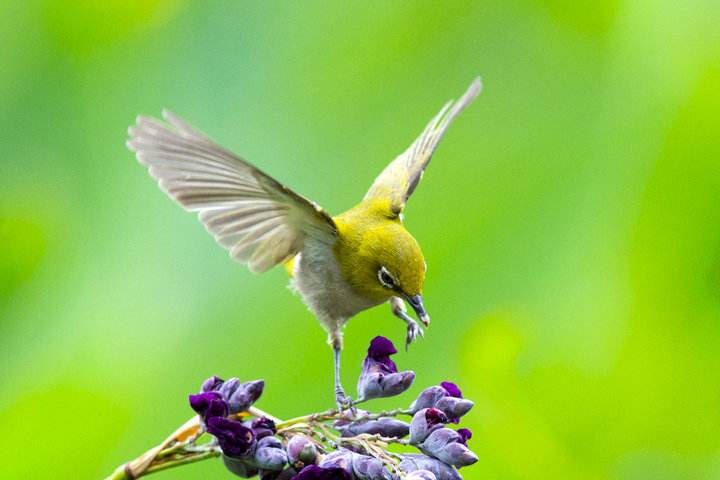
[398,181]
[260,221]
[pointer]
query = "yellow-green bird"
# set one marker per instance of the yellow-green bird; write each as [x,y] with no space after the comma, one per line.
[339,265]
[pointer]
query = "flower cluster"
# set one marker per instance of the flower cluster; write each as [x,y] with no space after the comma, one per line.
[332,445]
[219,398]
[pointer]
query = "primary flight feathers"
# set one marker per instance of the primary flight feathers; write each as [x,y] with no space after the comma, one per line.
[260,221]
[399,179]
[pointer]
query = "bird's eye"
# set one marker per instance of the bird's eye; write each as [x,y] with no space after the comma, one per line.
[386,280]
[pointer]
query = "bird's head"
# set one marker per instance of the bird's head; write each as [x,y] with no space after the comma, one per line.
[383,260]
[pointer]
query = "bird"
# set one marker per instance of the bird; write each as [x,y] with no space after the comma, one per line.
[338,265]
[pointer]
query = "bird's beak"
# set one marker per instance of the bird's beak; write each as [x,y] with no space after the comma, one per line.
[416,303]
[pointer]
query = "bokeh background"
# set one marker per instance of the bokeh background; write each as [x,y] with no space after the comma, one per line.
[570,220]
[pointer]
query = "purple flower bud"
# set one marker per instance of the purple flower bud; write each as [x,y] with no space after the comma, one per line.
[268,474]
[424,422]
[314,472]
[446,397]
[454,407]
[421,475]
[235,439]
[341,458]
[380,377]
[228,387]
[385,426]
[413,462]
[465,435]
[366,467]
[211,384]
[286,474]
[240,396]
[208,404]
[380,350]
[301,449]
[458,455]
[451,389]
[269,454]
[263,427]
[377,385]
[448,446]
[428,398]
[239,467]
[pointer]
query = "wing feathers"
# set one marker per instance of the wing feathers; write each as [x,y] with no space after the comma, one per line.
[400,178]
[259,220]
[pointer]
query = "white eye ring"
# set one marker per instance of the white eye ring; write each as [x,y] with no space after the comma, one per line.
[385,278]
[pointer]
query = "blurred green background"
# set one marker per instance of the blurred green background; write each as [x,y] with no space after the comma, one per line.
[570,220]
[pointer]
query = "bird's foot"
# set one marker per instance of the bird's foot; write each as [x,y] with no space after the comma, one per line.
[344,403]
[413,332]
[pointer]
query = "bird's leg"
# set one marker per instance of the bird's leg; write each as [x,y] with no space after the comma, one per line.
[413,328]
[343,401]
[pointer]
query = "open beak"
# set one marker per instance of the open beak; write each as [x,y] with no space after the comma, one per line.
[416,303]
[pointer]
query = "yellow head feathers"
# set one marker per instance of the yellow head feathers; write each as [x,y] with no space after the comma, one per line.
[377,255]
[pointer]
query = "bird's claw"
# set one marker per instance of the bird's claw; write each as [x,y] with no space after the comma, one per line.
[413,332]
[345,403]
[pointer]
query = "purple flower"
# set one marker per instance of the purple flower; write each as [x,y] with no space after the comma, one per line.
[449,446]
[341,458]
[286,474]
[314,472]
[451,389]
[269,454]
[454,407]
[366,467]
[356,465]
[211,384]
[425,422]
[465,434]
[380,376]
[301,449]
[263,427]
[235,439]
[446,397]
[413,462]
[380,350]
[428,398]
[421,475]
[240,396]
[239,467]
[385,426]
[269,474]
[208,404]
[237,396]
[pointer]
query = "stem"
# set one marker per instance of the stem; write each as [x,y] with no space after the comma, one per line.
[315,417]
[260,413]
[176,450]
[334,415]
[183,461]
[121,472]
[388,413]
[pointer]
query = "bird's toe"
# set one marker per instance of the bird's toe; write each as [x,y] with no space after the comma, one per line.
[413,332]
[344,402]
